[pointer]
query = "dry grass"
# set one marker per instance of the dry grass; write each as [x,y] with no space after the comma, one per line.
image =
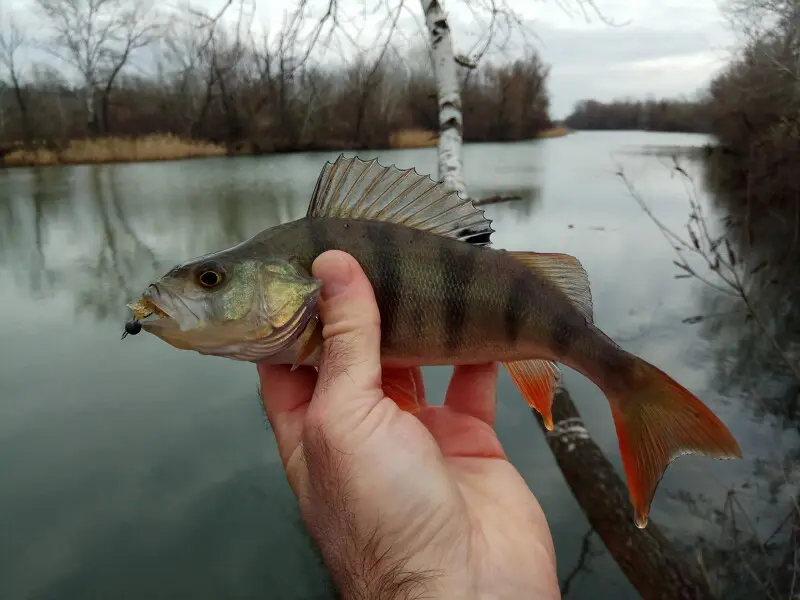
[421,138]
[109,150]
[554,132]
[413,138]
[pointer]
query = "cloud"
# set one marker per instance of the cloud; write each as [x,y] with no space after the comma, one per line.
[635,60]
[663,48]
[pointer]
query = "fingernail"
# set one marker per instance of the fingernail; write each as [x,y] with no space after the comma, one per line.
[336,274]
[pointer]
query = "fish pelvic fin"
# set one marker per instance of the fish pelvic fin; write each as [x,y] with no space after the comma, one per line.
[658,420]
[537,381]
[404,386]
[310,344]
[351,188]
[566,273]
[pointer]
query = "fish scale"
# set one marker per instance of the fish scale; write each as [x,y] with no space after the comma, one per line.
[445,297]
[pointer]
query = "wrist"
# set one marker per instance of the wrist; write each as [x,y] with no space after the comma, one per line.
[368,576]
[400,584]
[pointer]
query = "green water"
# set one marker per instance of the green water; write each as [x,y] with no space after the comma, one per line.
[133,470]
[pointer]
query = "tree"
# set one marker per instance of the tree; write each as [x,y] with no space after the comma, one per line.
[647,558]
[97,38]
[11,40]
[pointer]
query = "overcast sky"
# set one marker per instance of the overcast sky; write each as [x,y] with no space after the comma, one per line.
[659,47]
[666,48]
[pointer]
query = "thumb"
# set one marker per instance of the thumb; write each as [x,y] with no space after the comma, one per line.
[349,379]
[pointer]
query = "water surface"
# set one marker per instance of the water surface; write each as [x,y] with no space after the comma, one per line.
[133,470]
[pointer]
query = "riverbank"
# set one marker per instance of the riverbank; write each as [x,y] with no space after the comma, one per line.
[164,147]
[149,148]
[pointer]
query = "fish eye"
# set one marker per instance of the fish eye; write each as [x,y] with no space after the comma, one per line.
[209,278]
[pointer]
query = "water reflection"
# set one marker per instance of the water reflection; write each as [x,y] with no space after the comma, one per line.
[754,342]
[171,446]
[92,212]
[766,245]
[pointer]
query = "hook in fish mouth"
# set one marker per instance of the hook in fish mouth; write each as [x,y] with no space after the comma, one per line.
[145,311]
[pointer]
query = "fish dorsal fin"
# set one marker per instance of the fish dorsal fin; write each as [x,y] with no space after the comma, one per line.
[566,273]
[351,188]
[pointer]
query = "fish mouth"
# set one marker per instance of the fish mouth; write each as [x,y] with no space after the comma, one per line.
[144,308]
[156,309]
[150,314]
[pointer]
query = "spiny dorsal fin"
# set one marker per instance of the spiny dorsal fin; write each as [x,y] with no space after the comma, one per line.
[351,188]
[566,273]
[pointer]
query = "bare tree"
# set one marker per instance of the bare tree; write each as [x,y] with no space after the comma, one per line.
[97,38]
[11,40]
[137,29]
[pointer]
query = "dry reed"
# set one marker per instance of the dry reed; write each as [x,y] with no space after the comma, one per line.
[421,138]
[553,132]
[413,138]
[114,149]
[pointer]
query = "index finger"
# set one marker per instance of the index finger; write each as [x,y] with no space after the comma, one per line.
[473,391]
[286,394]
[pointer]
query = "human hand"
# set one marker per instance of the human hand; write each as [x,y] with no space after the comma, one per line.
[402,505]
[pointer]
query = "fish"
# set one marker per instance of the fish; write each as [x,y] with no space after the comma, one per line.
[446,296]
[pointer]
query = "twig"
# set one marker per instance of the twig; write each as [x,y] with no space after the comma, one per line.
[496,200]
[582,562]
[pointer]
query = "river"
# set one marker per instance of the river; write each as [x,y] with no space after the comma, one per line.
[129,469]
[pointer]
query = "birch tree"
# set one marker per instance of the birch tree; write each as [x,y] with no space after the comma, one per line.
[451,120]
[647,558]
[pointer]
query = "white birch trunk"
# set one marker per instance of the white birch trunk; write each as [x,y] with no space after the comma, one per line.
[450,117]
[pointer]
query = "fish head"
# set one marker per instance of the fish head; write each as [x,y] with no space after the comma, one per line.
[248,309]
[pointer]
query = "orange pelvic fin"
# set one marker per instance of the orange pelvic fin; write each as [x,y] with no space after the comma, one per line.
[537,380]
[658,420]
[404,386]
[312,342]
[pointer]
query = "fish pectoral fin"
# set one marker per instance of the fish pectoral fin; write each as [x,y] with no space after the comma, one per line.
[351,188]
[537,381]
[658,420]
[313,342]
[566,273]
[404,386]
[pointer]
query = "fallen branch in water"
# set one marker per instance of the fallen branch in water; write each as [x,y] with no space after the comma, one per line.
[648,559]
[496,200]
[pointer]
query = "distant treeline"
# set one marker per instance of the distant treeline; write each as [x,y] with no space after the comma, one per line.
[751,108]
[212,84]
[647,115]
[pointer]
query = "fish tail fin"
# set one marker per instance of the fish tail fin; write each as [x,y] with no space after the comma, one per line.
[658,420]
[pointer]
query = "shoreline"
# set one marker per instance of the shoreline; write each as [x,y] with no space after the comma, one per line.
[169,148]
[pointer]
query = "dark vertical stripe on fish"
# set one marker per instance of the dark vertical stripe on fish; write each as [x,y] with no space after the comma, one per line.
[319,236]
[387,279]
[516,300]
[458,267]
[561,335]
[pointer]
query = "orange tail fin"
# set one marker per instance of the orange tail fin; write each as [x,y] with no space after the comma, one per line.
[658,420]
